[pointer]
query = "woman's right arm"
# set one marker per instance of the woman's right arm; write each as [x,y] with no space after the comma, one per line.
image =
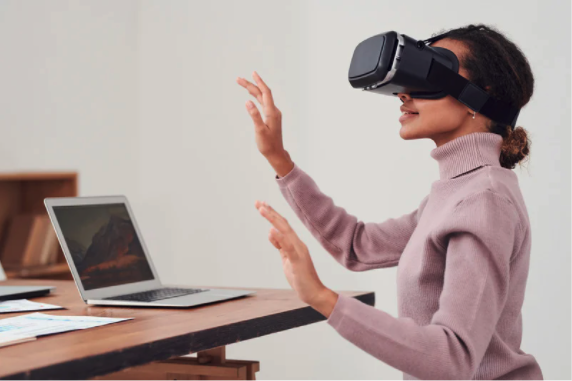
[356,245]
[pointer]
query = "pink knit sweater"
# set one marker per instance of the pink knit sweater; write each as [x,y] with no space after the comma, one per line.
[462,258]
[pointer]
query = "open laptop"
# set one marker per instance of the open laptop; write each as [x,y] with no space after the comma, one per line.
[108,258]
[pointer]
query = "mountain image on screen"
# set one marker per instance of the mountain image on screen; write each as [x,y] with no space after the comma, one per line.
[77,250]
[114,257]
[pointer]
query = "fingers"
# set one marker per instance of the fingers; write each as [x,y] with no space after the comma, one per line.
[282,225]
[255,115]
[273,216]
[275,219]
[281,235]
[270,109]
[252,89]
[263,94]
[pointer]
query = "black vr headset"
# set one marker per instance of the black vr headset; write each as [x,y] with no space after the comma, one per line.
[391,63]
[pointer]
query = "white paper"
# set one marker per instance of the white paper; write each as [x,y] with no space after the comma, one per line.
[10,339]
[39,324]
[22,305]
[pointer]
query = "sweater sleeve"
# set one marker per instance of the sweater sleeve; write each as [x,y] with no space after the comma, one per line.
[356,245]
[481,240]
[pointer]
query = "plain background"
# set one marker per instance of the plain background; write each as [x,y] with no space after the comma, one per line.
[140,97]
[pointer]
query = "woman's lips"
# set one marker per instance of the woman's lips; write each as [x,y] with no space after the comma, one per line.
[405,117]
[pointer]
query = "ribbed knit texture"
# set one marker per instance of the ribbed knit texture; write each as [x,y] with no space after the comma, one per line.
[462,256]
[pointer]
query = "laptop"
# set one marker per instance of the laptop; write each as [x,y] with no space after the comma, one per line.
[23,292]
[109,261]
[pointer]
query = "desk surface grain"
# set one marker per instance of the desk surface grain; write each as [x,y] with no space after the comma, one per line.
[154,333]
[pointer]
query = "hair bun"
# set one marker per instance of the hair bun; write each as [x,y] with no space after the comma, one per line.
[515,147]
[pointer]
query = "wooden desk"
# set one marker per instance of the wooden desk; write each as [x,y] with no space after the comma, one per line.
[154,334]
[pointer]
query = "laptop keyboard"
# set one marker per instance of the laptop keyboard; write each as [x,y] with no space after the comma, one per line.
[158,294]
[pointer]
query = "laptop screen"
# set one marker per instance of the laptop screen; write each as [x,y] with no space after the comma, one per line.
[103,244]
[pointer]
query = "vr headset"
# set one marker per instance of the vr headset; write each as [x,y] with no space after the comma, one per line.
[391,63]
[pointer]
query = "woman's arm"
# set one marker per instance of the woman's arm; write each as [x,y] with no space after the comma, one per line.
[357,245]
[483,234]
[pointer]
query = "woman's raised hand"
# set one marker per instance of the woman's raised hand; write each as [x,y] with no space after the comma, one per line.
[268,132]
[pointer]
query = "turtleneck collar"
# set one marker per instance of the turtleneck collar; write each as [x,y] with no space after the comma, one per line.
[467,152]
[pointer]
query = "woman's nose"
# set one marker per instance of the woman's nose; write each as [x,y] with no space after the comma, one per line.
[404,97]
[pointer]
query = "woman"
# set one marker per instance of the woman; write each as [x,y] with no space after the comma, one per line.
[462,255]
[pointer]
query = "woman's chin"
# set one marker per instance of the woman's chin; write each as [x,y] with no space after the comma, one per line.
[408,131]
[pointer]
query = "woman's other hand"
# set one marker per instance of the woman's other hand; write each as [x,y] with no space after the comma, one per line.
[268,132]
[297,263]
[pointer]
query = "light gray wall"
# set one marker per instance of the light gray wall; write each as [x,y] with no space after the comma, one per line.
[68,90]
[141,98]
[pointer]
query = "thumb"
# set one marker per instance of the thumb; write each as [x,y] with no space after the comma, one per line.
[255,115]
[287,248]
[273,240]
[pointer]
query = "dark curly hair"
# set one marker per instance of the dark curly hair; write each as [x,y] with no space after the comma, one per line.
[495,61]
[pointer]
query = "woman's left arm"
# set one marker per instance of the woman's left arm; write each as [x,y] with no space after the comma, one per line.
[484,231]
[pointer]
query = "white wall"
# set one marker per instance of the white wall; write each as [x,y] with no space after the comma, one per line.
[68,86]
[141,98]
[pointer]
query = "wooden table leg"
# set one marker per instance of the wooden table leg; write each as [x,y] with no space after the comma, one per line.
[216,355]
[211,364]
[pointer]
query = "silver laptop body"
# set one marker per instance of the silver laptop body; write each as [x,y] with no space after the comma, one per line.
[108,258]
